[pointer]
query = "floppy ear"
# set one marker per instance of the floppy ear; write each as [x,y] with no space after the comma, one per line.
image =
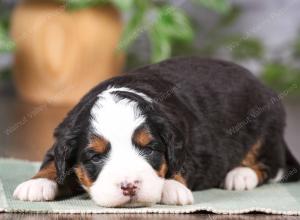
[65,151]
[172,138]
[70,136]
[175,150]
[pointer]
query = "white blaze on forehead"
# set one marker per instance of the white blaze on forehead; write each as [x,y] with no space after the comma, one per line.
[113,118]
[116,120]
[124,89]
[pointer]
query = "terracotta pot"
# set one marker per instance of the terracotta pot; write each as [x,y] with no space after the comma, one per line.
[60,54]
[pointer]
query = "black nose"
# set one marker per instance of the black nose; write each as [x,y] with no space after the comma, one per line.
[129,189]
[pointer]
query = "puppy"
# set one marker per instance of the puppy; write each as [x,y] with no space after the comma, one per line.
[158,132]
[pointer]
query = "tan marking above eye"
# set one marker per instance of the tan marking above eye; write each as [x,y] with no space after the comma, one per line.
[98,144]
[142,137]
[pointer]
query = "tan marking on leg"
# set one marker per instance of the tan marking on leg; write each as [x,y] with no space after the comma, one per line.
[83,177]
[260,172]
[251,161]
[163,170]
[48,172]
[178,177]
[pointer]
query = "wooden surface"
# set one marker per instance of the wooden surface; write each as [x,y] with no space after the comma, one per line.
[26,133]
[146,217]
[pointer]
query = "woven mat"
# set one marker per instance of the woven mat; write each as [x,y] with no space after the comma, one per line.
[272,199]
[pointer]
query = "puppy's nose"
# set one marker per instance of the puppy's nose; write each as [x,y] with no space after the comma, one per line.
[129,188]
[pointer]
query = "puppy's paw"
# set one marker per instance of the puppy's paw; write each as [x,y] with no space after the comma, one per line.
[175,193]
[241,178]
[36,190]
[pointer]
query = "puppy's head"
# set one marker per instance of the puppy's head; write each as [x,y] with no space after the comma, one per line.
[125,157]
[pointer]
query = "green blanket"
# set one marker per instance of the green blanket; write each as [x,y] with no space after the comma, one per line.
[273,199]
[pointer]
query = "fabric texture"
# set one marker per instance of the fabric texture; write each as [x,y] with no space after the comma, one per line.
[272,199]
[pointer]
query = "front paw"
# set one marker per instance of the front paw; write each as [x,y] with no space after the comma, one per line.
[175,193]
[36,190]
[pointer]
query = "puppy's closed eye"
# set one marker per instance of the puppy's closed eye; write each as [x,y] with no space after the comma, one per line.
[90,155]
[154,146]
[147,151]
[97,158]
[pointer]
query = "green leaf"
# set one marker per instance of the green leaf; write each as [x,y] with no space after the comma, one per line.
[297,48]
[221,6]
[135,26]
[169,26]
[275,72]
[6,45]
[173,23]
[123,5]
[230,17]
[280,76]
[5,74]
[246,48]
[79,4]
[160,45]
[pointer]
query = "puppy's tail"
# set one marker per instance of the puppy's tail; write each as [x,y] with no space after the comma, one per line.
[292,170]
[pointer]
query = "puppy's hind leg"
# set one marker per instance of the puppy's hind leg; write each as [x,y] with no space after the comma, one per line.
[251,173]
[241,178]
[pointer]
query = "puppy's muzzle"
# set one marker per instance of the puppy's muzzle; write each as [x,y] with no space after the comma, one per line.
[130,188]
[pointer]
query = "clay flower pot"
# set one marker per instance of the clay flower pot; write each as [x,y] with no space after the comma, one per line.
[60,54]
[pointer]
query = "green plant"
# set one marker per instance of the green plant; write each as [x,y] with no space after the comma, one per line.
[6,45]
[281,76]
[5,75]
[248,48]
[284,74]
[238,46]
[162,22]
[297,48]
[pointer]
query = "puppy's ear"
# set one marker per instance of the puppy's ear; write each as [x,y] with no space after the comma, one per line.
[173,141]
[175,149]
[65,152]
[70,137]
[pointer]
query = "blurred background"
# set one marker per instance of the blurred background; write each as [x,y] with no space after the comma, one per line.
[53,51]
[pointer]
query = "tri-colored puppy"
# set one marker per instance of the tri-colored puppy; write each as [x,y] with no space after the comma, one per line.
[155,134]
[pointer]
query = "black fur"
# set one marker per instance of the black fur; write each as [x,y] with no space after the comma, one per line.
[206,115]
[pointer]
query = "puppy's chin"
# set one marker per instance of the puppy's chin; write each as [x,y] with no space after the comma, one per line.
[109,196]
[119,200]
[125,202]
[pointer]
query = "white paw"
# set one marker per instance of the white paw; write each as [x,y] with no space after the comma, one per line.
[175,193]
[241,178]
[36,190]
